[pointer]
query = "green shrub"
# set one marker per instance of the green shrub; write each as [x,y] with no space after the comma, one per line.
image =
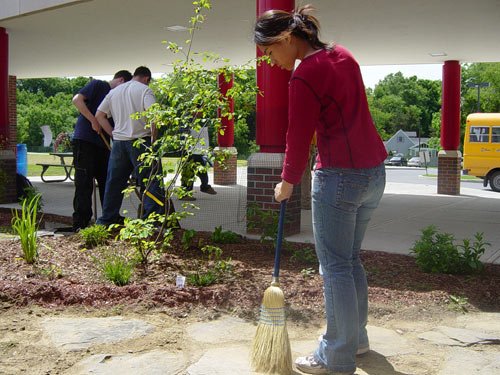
[435,252]
[265,222]
[304,254]
[458,303]
[94,235]
[26,226]
[52,272]
[225,236]
[471,253]
[307,273]
[140,234]
[187,238]
[211,268]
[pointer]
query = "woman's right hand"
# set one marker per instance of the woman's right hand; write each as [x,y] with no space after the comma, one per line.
[283,191]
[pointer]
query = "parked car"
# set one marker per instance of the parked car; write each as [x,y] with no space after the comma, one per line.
[397,160]
[415,162]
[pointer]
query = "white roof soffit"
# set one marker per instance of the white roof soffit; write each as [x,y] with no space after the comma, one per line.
[16,8]
[99,37]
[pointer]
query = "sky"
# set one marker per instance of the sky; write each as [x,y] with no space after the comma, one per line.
[374,73]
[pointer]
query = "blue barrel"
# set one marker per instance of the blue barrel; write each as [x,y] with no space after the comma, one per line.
[22,159]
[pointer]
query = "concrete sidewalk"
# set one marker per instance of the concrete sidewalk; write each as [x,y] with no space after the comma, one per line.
[404,211]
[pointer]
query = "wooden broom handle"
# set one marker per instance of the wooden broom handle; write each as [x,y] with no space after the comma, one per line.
[105,141]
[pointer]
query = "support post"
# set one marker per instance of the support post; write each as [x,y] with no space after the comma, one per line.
[226,173]
[449,158]
[264,167]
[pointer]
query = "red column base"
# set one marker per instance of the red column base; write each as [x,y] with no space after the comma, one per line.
[263,173]
[449,169]
[226,174]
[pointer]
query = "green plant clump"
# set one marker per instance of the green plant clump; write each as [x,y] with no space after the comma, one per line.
[307,273]
[205,278]
[187,238]
[458,303]
[52,272]
[115,267]
[304,254]
[94,235]
[436,253]
[225,236]
[26,226]
[211,269]
[140,233]
[117,270]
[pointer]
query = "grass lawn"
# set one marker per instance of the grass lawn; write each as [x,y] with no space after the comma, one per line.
[36,170]
[462,177]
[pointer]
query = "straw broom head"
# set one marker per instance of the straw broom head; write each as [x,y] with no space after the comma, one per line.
[271,352]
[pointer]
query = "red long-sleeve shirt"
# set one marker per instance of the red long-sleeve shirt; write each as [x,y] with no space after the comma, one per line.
[327,95]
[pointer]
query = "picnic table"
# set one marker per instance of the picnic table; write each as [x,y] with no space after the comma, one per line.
[68,167]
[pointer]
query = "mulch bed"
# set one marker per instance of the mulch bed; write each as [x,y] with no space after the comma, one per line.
[66,275]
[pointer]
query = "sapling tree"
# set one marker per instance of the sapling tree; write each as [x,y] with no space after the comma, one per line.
[188,99]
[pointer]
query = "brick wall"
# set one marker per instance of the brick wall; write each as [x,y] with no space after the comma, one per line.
[261,180]
[226,174]
[8,165]
[449,170]
[7,177]
[12,111]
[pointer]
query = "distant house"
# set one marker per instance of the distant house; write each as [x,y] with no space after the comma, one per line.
[409,144]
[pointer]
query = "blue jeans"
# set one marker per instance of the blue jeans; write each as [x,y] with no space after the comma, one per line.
[122,164]
[343,201]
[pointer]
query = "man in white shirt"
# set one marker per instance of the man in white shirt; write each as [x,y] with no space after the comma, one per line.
[120,104]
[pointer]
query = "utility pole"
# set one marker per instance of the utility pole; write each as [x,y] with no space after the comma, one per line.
[478,86]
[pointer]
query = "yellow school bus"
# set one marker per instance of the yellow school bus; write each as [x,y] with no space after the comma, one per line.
[482,148]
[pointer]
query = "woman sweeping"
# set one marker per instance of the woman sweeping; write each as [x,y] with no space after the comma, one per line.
[327,97]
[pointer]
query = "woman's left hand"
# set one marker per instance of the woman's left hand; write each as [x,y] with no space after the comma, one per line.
[283,191]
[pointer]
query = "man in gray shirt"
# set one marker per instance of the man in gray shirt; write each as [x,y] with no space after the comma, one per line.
[121,103]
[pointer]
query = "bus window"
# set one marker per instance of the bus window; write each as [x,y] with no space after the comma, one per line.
[495,134]
[479,134]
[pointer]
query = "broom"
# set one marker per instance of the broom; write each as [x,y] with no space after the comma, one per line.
[271,351]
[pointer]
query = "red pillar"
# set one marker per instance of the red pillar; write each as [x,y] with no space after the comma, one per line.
[4,83]
[449,158]
[450,110]
[272,106]
[226,173]
[264,168]
[226,139]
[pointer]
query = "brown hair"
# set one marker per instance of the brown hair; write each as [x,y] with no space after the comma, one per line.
[273,25]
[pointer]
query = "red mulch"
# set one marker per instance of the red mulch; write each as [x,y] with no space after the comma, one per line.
[66,274]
